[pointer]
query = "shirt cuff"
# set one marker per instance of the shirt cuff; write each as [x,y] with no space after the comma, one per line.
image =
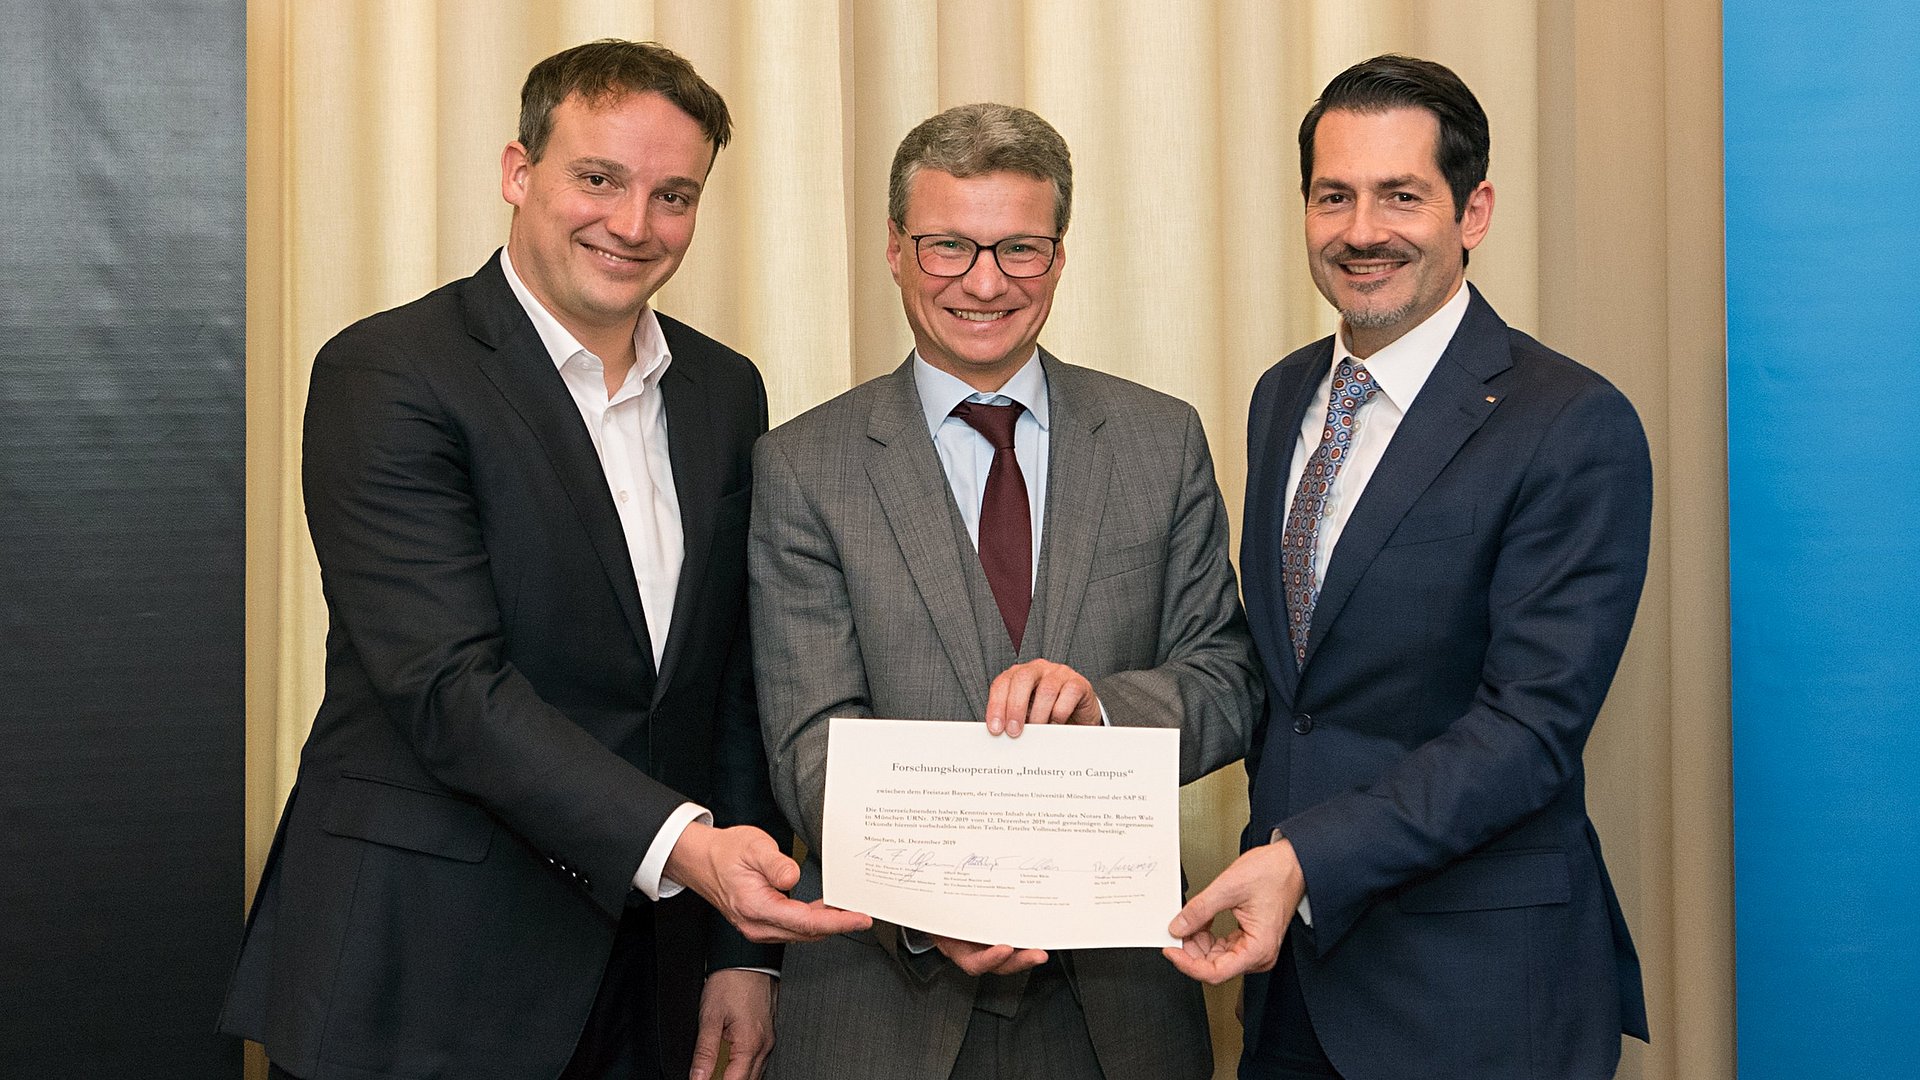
[763,971]
[650,879]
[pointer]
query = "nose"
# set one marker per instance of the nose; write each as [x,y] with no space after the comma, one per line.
[629,222]
[983,279]
[1366,226]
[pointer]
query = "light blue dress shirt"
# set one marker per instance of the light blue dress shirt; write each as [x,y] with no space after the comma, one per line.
[966,455]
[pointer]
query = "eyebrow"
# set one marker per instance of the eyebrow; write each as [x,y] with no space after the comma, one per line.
[620,172]
[1407,180]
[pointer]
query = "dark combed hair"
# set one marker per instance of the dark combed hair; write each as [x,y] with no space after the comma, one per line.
[1405,82]
[609,68]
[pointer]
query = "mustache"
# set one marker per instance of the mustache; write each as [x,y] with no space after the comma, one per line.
[1380,253]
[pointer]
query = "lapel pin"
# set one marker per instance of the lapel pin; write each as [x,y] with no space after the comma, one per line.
[1491,399]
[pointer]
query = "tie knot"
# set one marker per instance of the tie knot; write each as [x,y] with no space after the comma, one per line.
[1353,386]
[995,422]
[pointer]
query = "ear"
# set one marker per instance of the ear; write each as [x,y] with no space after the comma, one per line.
[1479,216]
[514,164]
[896,242]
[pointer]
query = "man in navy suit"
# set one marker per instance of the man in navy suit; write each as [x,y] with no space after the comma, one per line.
[1446,536]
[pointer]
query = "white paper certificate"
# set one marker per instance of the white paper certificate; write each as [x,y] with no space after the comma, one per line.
[1065,838]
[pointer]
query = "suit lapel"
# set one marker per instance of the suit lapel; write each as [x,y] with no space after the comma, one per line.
[912,491]
[1451,407]
[523,373]
[694,450]
[1077,477]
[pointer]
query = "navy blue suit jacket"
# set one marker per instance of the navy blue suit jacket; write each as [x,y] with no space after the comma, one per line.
[1425,761]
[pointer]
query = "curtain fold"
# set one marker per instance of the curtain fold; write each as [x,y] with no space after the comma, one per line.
[375,131]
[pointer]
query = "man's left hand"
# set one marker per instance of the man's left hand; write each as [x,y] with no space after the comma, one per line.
[1262,888]
[736,1007]
[1039,692]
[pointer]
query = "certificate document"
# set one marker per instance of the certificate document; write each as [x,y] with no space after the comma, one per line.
[1064,838]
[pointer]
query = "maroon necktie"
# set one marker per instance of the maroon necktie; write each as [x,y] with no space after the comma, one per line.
[1006,525]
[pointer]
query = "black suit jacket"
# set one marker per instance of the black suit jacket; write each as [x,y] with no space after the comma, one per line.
[495,751]
[1425,761]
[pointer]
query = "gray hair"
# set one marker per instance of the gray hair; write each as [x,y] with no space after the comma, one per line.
[973,140]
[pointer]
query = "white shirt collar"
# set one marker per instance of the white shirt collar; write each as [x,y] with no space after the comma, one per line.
[1402,367]
[940,392]
[651,356]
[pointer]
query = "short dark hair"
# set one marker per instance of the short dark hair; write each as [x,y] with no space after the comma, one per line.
[1393,81]
[985,137]
[610,68]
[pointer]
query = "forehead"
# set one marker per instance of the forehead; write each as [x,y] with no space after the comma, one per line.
[633,121]
[1354,147]
[1000,203]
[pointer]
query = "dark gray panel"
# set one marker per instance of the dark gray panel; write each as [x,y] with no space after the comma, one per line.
[122,264]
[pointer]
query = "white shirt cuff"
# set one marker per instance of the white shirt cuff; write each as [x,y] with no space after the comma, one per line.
[650,878]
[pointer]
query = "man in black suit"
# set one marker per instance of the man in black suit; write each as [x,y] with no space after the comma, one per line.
[1446,536]
[528,492]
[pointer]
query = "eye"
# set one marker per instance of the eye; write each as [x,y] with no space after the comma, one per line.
[596,180]
[674,198]
[1016,247]
[1404,197]
[945,244]
[1333,198]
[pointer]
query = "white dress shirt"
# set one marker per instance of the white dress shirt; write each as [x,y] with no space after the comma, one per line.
[1401,369]
[629,431]
[966,455]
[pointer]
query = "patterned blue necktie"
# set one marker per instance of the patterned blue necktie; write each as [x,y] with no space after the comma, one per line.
[1353,387]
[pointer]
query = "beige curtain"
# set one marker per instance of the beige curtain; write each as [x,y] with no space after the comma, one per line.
[375,129]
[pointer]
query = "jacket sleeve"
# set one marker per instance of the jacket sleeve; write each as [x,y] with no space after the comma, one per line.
[1204,681]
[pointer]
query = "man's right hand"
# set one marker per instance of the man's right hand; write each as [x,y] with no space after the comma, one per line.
[742,873]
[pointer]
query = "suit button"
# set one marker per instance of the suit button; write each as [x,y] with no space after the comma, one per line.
[1302,723]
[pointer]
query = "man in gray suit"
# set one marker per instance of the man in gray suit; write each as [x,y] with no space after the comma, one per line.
[988,534]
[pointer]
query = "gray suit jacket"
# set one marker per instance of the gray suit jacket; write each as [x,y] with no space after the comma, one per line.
[868,599]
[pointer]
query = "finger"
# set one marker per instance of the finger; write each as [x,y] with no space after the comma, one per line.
[1046,694]
[979,959]
[706,1046]
[1020,686]
[785,920]
[1067,701]
[997,702]
[1021,960]
[751,1052]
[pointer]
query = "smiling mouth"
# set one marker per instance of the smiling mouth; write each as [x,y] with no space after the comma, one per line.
[978,316]
[613,258]
[1370,269]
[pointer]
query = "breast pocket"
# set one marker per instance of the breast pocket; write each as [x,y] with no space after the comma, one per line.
[1126,558]
[1429,526]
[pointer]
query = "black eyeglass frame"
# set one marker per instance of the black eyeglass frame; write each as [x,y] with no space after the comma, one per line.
[979,247]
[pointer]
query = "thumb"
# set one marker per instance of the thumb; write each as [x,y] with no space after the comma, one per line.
[1196,916]
[779,871]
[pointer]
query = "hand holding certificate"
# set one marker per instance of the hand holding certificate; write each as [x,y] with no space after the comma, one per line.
[1065,838]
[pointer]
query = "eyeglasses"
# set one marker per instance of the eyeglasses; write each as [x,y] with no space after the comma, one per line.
[948,256]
